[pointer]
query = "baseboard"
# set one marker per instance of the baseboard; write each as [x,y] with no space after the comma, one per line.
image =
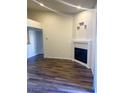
[74,60]
[58,58]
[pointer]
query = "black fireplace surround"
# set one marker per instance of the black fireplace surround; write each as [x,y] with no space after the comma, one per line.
[80,54]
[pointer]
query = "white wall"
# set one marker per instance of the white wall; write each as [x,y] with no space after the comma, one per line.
[85,17]
[94,41]
[57,33]
[89,18]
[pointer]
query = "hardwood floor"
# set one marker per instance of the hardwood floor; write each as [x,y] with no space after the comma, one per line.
[58,76]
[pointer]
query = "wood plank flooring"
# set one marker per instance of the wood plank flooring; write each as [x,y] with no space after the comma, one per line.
[58,76]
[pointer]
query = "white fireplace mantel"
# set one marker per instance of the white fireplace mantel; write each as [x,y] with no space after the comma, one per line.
[85,44]
[81,40]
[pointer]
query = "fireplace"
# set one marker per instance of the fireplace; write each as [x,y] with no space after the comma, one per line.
[82,52]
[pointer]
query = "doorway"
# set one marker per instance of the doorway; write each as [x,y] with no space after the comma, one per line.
[34,44]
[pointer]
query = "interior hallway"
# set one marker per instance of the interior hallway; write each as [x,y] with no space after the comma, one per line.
[58,76]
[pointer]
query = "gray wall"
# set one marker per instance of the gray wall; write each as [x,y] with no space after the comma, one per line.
[36,42]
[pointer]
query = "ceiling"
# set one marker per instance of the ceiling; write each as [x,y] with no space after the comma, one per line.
[61,7]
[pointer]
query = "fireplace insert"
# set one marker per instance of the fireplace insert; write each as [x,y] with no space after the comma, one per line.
[81,55]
